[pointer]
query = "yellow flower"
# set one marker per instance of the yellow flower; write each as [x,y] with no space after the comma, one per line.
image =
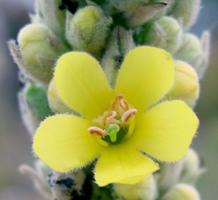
[123,128]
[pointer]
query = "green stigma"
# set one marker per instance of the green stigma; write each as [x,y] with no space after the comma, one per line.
[115,133]
[112,131]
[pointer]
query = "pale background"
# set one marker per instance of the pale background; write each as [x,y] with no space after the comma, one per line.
[15,145]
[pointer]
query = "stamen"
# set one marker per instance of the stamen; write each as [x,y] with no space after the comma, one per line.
[111,115]
[116,100]
[123,104]
[116,123]
[97,131]
[114,103]
[128,114]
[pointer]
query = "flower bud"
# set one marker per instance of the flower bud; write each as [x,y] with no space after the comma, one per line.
[144,190]
[182,192]
[48,13]
[191,169]
[120,42]
[133,13]
[186,86]
[190,50]
[187,11]
[88,29]
[145,13]
[169,175]
[55,103]
[39,50]
[127,5]
[165,33]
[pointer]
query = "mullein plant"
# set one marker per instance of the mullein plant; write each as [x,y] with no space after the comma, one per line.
[109,89]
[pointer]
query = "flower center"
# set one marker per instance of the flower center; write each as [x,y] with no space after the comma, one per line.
[115,124]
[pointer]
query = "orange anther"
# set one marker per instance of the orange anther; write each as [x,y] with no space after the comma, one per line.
[97,131]
[128,114]
[123,104]
[111,115]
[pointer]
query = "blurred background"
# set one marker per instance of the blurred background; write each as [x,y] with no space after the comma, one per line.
[15,144]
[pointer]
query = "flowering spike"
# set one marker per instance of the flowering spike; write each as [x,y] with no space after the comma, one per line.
[126,141]
[87,29]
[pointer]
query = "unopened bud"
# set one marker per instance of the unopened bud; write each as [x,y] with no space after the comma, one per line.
[169,175]
[120,43]
[186,86]
[88,29]
[187,11]
[182,192]
[49,13]
[190,50]
[165,33]
[55,103]
[127,5]
[144,190]
[145,13]
[134,13]
[192,168]
[39,50]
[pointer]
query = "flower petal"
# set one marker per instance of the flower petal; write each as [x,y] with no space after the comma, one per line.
[146,75]
[121,164]
[63,142]
[82,85]
[166,131]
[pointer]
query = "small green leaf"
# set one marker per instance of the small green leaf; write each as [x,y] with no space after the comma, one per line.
[37,99]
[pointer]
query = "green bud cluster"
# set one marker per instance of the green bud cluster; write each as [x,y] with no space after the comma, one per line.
[37,52]
[84,28]
[165,33]
[48,13]
[186,12]
[108,29]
